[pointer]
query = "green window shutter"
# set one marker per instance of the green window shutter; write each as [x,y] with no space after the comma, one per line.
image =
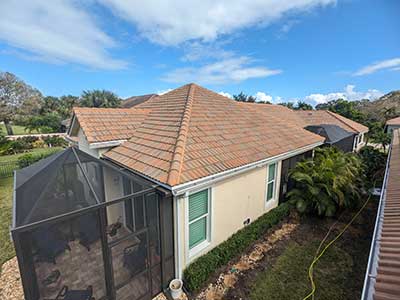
[270,190]
[271,172]
[198,205]
[197,232]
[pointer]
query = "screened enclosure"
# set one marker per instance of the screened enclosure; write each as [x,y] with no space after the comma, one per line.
[84,228]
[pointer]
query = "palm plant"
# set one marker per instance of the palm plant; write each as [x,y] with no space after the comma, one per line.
[99,98]
[326,183]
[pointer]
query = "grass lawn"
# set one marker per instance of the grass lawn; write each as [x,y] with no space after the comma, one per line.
[283,282]
[6,246]
[16,129]
[6,158]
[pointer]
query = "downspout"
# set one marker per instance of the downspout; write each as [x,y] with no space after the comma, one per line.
[178,266]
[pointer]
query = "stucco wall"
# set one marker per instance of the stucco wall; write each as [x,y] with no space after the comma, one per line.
[113,189]
[233,201]
[112,181]
[84,145]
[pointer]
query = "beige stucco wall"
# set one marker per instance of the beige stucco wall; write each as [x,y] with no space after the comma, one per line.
[112,181]
[83,144]
[113,189]
[233,201]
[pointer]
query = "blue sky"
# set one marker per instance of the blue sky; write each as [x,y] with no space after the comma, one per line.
[313,50]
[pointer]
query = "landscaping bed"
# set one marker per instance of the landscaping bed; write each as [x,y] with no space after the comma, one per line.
[283,272]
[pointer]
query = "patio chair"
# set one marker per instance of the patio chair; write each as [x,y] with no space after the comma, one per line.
[66,294]
[89,231]
[135,258]
[50,243]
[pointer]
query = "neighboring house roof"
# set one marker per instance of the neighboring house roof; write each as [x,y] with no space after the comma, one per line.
[382,280]
[332,133]
[108,124]
[192,132]
[318,117]
[135,100]
[278,111]
[395,121]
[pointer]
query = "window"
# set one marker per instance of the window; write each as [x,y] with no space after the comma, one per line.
[199,218]
[271,181]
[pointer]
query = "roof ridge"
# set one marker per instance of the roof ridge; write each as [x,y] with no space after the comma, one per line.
[128,110]
[179,149]
[335,116]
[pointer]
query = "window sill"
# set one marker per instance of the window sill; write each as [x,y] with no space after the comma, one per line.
[198,249]
[270,204]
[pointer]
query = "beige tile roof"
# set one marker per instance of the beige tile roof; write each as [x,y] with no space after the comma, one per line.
[395,121]
[135,100]
[192,132]
[387,284]
[318,117]
[109,124]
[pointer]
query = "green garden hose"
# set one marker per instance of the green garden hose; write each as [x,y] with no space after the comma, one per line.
[311,268]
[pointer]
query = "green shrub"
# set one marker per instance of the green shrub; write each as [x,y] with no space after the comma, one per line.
[18,145]
[30,158]
[329,182]
[55,141]
[198,272]
[374,163]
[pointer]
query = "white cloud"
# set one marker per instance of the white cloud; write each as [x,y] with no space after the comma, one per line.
[162,92]
[348,93]
[56,31]
[194,51]
[235,69]
[176,21]
[263,97]
[260,97]
[389,64]
[226,94]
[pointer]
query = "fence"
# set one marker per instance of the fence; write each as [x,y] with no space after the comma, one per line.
[7,168]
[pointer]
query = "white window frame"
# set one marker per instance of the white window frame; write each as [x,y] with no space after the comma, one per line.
[200,247]
[271,180]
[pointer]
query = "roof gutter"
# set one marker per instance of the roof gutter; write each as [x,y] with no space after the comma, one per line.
[206,181]
[372,266]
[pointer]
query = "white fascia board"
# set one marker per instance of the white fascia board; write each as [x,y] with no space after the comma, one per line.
[107,144]
[71,125]
[211,179]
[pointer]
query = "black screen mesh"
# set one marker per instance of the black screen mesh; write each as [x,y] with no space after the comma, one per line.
[57,185]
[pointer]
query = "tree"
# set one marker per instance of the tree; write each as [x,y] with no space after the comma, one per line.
[301,105]
[66,104]
[47,123]
[382,138]
[344,108]
[99,98]
[327,183]
[374,163]
[16,97]
[287,104]
[49,104]
[242,97]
